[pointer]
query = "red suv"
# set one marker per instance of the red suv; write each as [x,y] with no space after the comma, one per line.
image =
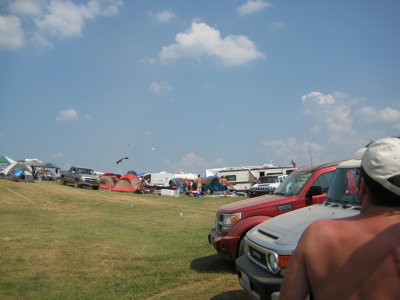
[303,187]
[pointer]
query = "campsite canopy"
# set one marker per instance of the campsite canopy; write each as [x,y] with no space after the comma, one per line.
[32,162]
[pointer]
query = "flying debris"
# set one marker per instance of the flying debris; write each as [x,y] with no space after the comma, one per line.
[120,160]
[293,163]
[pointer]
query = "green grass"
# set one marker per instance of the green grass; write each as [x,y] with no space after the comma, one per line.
[59,242]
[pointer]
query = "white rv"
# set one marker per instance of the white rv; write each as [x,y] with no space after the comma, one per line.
[162,179]
[241,179]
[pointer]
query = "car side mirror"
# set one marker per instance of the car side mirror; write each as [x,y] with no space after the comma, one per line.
[314,191]
[318,199]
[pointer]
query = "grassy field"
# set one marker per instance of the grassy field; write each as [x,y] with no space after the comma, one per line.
[59,242]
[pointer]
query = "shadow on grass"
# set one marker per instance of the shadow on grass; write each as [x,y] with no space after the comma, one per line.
[231,295]
[213,264]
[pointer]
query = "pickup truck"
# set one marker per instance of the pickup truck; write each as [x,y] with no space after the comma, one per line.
[269,246]
[234,220]
[79,177]
[266,185]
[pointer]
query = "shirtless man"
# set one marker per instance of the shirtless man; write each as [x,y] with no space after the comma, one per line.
[224,184]
[358,257]
[199,183]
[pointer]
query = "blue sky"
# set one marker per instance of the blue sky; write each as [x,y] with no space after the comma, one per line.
[190,85]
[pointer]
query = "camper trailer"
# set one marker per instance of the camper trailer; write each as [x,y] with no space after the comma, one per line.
[241,179]
[162,179]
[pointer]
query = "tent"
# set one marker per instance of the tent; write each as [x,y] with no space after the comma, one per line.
[33,162]
[211,184]
[5,161]
[7,173]
[108,180]
[177,184]
[129,183]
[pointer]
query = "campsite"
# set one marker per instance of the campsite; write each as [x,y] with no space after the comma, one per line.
[60,242]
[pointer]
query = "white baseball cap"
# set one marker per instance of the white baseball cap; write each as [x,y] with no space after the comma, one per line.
[381,161]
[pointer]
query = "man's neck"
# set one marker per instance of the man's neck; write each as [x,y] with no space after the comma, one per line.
[370,210]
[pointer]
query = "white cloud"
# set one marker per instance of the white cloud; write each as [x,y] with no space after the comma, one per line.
[253,6]
[278,25]
[67,115]
[53,19]
[386,115]
[41,41]
[64,19]
[332,118]
[149,60]
[105,8]
[27,7]
[191,162]
[11,33]
[318,98]
[339,119]
[159,87]
[163,16]
[289,149]
[203,40]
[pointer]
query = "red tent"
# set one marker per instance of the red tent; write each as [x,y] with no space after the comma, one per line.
[108,181]
[129,183]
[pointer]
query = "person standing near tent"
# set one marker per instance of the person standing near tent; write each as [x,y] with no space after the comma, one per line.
[224,184]
[187,185]
[356,257]
[199,183]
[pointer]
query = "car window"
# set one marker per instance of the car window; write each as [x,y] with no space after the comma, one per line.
[324,180]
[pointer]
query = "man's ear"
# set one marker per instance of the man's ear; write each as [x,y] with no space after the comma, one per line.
[362,189]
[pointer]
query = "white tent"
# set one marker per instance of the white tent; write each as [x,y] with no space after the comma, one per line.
[6,173]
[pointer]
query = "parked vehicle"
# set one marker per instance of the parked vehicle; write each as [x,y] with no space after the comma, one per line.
[79,177]
[269,246]
[266,185]
[234,220]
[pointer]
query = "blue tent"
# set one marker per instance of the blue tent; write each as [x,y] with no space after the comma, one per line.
[211,184]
